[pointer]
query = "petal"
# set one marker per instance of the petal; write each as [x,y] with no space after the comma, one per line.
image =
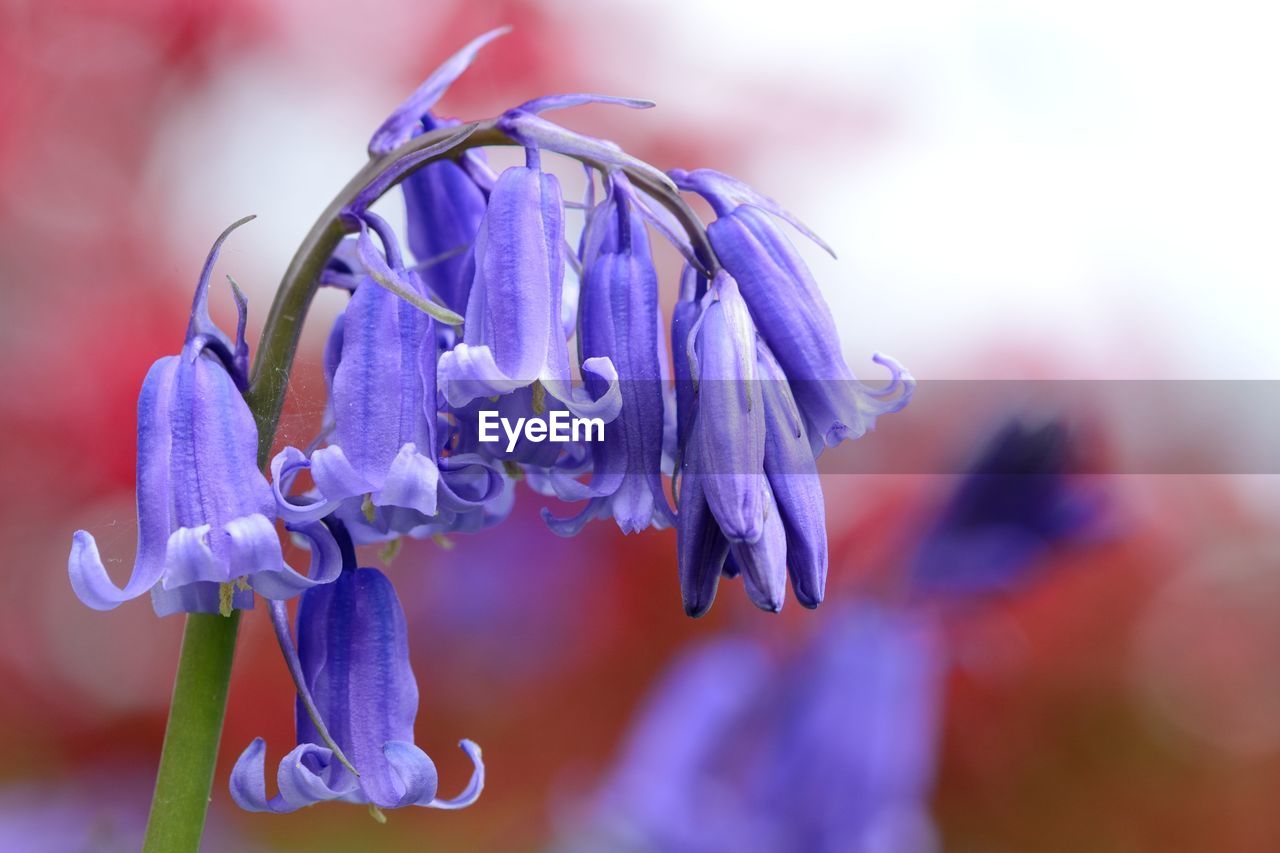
[621,319]
[684,318]
[401,124]
[763,563]
[796,322]
[793,479]
[578,401]
[726,193]
[730,416]
[300,786]
[701,547]
[468,481]
[415,771]
[255,547]
[470,372]
[285,466]
[444,206]
[474,787]
[513,310]
[189,558]
[572,526]
[335,477]
[285,582]
[214,469]
[248,778]
[318,731]
[89,578]
[410,482]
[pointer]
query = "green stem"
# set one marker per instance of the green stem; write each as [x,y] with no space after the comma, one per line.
[191,736]
[190,749]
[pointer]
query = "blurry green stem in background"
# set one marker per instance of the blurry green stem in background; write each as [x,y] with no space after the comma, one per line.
[190,751]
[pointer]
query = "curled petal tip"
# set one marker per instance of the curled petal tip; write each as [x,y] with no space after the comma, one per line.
[89,577]
[475,786]
[248,780]
[415,770]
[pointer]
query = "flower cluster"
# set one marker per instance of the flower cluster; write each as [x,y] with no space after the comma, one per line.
[481,318]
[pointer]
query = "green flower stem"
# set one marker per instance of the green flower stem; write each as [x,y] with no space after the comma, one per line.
[191,738]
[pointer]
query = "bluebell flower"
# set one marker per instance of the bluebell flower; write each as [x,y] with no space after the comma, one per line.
[792,316]
[728,519]
[206,514]
[381,422]
[619,320]
[353,661]
[382,441]
[831,748]
[1018,501]
[512,335]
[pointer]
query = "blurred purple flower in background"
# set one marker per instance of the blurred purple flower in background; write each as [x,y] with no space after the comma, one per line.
[1018,501]
[830,748]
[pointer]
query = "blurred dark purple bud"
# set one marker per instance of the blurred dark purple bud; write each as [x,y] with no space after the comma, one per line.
[1018,502]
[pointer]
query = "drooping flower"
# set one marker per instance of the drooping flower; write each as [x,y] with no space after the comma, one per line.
[353,658]
[620,321]
[726,506]
[512,335]
[792,316]
[1017,502]
[383,403]
[206,515]
[832,748]
[381,459]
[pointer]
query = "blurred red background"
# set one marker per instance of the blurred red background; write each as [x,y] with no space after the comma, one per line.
[1129,701]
